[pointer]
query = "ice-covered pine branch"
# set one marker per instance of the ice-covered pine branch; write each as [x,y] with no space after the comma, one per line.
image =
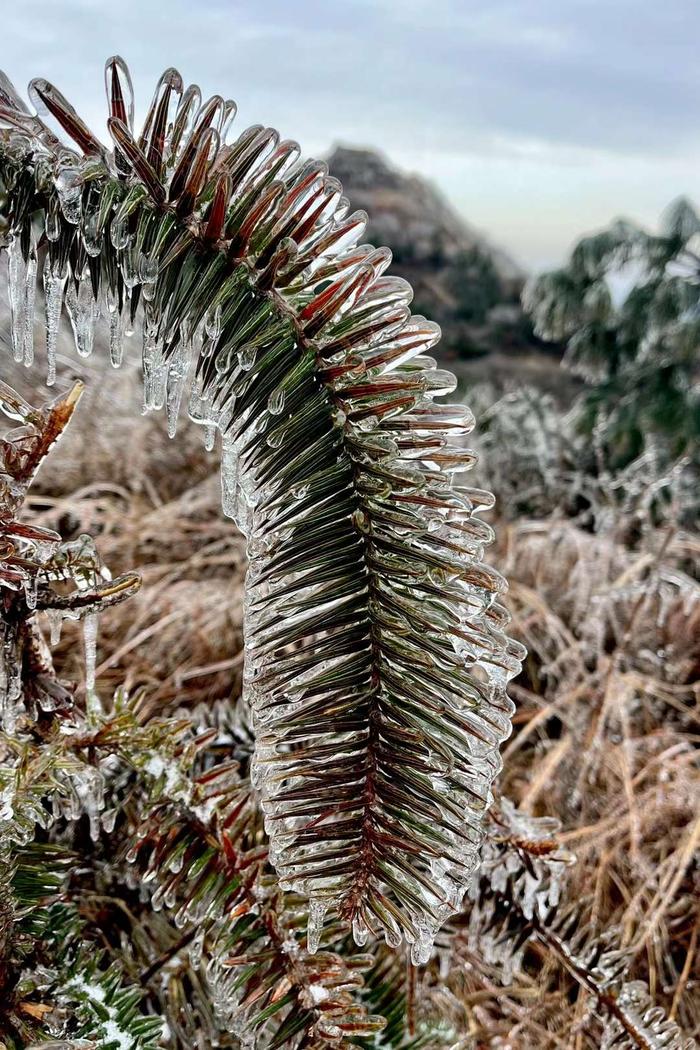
[520,897]
[376,659]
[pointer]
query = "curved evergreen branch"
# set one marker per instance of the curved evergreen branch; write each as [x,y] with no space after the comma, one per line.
[518,898]
[376,663]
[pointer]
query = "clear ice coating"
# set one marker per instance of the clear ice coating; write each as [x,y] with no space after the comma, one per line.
[18,271]
[53,298]
[83,312]
[176,377]
[376,662]
[90,643]
[317,913]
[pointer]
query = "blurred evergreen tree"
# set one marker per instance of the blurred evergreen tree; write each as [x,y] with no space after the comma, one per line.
[475,284]
[627,307]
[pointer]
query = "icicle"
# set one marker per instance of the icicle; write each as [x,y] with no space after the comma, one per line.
[92,237]
[360,932]
[17,270]
[314,929]
[11,704]
[90,642]
[127,323]
[392,933]
[422,947]
[199,408]
[29,299]
[52,222]
[129,265]
[3,680]
[55,618]
[116,341]
[82,311]
[155,370]
[93,800]
[229,480]
[177,374]
[31,591]
[147,270]
[200,402]
[242,1030]
[116,335]
[210,437]
[53,295]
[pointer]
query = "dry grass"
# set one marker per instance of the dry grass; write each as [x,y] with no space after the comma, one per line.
[605,733]
[153,505]
[606,729]
[605,740]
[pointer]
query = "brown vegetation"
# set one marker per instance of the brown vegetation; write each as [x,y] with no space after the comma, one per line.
[605,732]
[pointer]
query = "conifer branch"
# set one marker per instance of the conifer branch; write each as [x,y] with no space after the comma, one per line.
[376,664]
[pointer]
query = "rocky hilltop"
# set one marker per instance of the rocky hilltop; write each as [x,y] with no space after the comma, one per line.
[411,215]
[460,279]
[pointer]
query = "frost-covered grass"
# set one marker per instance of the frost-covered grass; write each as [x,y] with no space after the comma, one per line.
[605,731]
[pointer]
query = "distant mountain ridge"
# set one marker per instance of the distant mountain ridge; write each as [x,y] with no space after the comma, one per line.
[460,279]
[409,213]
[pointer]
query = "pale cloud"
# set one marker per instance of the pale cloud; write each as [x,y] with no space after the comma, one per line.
[538,117]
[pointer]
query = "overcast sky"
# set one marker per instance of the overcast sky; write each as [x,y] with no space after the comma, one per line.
[539,119]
